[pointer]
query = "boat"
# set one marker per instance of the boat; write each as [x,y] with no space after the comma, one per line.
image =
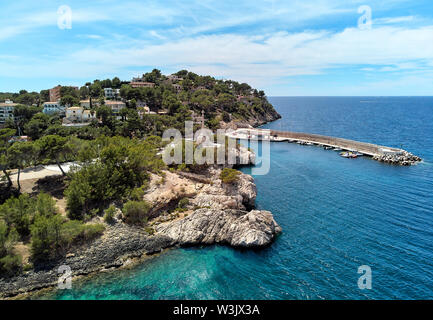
[338,149]
[350,155]
[358,154]
[309,143]
[327,147]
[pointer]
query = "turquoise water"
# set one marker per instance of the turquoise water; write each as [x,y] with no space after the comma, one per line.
[337,214]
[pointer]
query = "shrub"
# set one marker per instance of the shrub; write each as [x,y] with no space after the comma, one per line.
[136,212]
[52,236]
[183,203]
[90,232]
[109,214]
[10,265]
[137,194]
[229,176]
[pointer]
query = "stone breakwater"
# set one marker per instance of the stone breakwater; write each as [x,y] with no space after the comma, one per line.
[404,159]
[377,152]
[222,219]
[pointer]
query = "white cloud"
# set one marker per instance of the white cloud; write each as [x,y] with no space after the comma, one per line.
[190,35]
[256,59]
[393,20]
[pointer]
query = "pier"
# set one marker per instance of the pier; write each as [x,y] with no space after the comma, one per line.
[377,152]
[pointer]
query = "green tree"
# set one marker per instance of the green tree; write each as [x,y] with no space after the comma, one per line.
[54,148]
[21,155]
[5,136]
[69,101]
[37,125]
[46,237]
[171,103]
[10,263]
[106,115]
[116,83]
[18,213]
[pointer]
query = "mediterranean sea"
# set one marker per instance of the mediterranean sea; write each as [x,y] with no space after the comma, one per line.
[337,214]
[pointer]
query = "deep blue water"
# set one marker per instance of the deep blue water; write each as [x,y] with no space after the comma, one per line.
[337,214]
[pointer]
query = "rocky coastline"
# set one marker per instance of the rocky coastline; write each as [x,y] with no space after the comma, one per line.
[403,159]
[217,213]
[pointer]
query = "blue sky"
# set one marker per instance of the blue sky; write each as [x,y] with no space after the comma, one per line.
[283,47]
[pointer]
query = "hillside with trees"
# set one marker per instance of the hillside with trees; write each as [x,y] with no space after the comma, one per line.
[113,157]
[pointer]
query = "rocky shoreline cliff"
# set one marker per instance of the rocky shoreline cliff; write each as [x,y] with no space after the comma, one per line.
[217,213]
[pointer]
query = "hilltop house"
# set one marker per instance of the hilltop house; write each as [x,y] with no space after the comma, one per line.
[174,78]
[142,84]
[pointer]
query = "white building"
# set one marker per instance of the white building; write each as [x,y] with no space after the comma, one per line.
[88,115]
[74,114]
[7,111]
[111,93]
[53,107]
[115,106]
[78,114]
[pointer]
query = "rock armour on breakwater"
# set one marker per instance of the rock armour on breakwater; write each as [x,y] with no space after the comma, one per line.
[404,159]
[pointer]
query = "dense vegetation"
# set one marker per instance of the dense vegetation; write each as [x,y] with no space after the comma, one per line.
[113,157]
[37,218]
[121,166]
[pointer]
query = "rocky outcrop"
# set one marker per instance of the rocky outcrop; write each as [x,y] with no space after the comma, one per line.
[217,214]
[115,248]
[121,242]
[405,158]
[203,191]
[233,227]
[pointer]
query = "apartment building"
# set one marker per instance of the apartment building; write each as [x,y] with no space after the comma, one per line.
[7,111]
[53,107]
[55,94]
